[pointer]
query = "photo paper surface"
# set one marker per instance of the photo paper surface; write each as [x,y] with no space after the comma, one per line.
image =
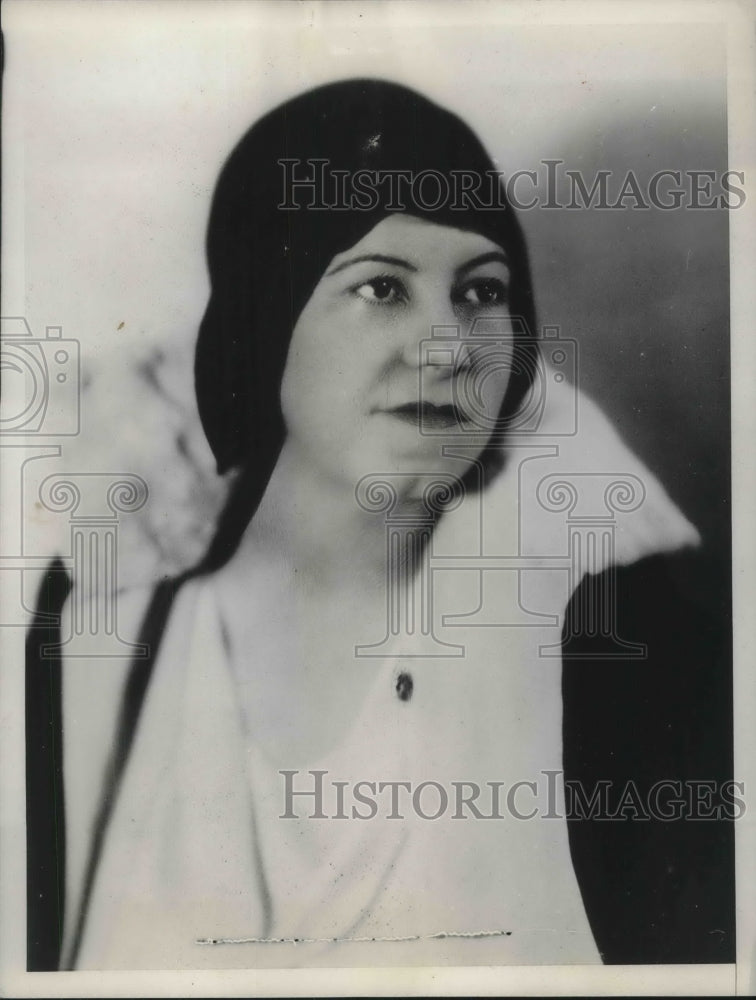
[375,523]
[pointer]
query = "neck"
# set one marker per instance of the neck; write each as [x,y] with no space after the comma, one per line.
[311,525]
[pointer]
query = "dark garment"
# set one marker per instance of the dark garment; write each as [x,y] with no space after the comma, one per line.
[45,815]
[653,890]
[45,826]
[656,890]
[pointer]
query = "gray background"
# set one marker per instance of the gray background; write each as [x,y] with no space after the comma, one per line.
[121,116]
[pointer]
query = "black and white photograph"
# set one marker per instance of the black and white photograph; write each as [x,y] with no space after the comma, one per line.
[376,448]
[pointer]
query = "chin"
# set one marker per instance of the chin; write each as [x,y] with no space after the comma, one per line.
[405,464]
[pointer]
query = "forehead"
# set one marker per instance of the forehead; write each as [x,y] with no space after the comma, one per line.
[421,242]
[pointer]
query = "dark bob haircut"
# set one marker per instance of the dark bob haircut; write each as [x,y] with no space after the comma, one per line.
[272,234]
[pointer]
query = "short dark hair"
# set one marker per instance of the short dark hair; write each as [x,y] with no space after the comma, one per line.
[264,261]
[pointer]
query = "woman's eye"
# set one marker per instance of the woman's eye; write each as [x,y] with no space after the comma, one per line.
[384,291]
[484,292]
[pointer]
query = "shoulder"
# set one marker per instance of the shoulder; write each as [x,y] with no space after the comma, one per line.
[657,729]
[656,683]
[668,616]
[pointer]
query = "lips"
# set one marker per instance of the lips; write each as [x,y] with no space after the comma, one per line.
[430,415]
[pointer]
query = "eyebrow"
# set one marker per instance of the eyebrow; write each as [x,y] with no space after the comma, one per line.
[484,258]
[381,258]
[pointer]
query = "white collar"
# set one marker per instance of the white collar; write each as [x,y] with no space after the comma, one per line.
[554,481]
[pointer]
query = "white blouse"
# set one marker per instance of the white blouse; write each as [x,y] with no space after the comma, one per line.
[212,861]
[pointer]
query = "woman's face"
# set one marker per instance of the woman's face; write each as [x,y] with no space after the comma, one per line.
[363,390]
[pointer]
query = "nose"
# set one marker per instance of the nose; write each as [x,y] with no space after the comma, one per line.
[429,321]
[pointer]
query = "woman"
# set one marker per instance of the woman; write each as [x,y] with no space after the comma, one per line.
[265,791]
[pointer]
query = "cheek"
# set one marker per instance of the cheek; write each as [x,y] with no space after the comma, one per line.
[323,375]
[300,386]
[482,384]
